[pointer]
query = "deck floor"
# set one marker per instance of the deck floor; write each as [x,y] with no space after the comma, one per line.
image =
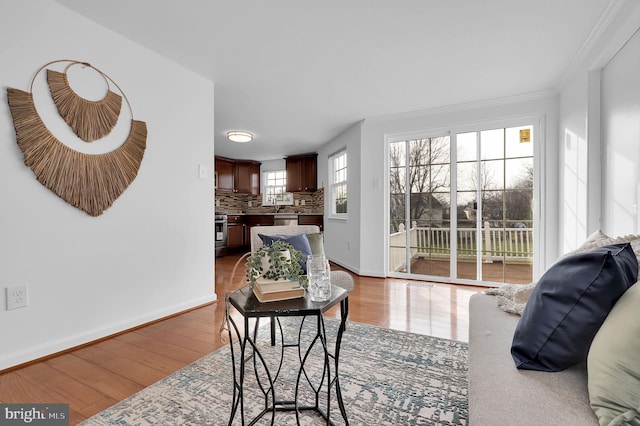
[498,272]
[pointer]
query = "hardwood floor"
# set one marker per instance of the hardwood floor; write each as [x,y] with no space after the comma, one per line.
[96,376]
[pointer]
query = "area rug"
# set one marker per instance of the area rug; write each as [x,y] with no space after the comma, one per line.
[387,378]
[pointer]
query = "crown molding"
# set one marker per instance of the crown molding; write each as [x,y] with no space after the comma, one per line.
[618,23]
[466,106]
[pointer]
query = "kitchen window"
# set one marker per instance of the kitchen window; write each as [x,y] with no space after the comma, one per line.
[338,188]
[275,189]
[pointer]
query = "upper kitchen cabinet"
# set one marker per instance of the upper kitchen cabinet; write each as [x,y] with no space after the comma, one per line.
[302,173]
[224,175]
[248,177]
[237,176]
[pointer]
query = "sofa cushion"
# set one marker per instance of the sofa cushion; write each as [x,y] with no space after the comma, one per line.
[299,242]
[568,306]
[614,364]
[502,395]
[316,242]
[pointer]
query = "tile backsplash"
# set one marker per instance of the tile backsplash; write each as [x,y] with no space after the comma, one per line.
[239,203]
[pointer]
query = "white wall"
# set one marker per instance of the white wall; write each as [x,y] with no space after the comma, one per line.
[598,107]
[151,253]
[342,237]
[621,140]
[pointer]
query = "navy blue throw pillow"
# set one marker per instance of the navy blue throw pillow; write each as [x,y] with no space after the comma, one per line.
[568,306]
[299,242]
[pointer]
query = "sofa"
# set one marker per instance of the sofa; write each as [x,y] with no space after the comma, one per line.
[500,394]
[603,387]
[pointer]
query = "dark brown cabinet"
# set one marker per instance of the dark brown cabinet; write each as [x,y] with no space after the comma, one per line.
[247,177]
[302,171]
[239,228]
[224,175]
[235,232]
[255,220]
[237,176]
[311,219]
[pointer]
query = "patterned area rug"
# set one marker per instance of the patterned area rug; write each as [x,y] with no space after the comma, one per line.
[387,378]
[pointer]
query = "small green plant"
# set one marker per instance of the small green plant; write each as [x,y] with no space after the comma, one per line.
[282,263]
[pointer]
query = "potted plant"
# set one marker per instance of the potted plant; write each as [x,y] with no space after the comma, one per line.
[278,261]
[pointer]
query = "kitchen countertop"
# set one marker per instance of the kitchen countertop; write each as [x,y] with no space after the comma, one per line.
[268,214]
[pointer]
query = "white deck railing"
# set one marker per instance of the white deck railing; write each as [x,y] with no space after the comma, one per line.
[506,244]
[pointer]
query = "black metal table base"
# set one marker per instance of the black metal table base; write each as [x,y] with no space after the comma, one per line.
[249,352]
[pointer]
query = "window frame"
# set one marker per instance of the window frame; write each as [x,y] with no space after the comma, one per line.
[334,185]
[540,200]
[286,198]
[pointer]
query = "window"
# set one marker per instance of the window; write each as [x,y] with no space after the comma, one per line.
[338,179]
[275,189]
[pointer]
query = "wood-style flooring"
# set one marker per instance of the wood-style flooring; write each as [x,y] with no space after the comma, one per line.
[94,377]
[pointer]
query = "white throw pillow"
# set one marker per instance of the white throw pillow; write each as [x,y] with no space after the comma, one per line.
[512,298]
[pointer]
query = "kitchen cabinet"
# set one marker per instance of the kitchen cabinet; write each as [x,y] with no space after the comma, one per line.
[237,176]
[311,219]
[255,220]
[247,177]
[302,171]
[235,231]
[224,175]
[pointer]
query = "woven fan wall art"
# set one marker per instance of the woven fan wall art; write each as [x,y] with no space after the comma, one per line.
[90,182]
[90,120]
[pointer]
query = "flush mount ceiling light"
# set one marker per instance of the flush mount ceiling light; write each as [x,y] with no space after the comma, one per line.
[237,136]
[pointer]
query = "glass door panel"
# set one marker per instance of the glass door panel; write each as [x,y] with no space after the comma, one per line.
[419,206]
[507,205]
[494,202]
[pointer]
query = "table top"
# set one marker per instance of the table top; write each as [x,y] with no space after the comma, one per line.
[249,306]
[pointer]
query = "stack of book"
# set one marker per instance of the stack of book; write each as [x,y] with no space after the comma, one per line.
[272,290]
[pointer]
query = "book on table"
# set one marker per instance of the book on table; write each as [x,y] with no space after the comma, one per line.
[274,296]
[274,286]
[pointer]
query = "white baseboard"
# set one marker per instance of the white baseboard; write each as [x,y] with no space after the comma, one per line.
[49,348]
[357,270]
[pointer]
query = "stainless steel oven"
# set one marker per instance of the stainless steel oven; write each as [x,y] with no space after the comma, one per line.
[220,223]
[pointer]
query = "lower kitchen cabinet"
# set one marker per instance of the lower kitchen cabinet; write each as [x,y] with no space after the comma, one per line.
[311,219]
[255,220]
[235,232]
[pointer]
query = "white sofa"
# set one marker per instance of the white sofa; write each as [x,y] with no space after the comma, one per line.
[500,394]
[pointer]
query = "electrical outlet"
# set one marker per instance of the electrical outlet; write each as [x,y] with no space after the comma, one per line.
[17,297]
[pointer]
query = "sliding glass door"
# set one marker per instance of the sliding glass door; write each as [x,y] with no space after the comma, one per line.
[488,176]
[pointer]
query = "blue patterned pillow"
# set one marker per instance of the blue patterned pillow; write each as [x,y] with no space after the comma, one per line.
[299,242]
[568,306]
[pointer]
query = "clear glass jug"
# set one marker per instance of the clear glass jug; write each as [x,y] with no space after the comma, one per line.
[319,275]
